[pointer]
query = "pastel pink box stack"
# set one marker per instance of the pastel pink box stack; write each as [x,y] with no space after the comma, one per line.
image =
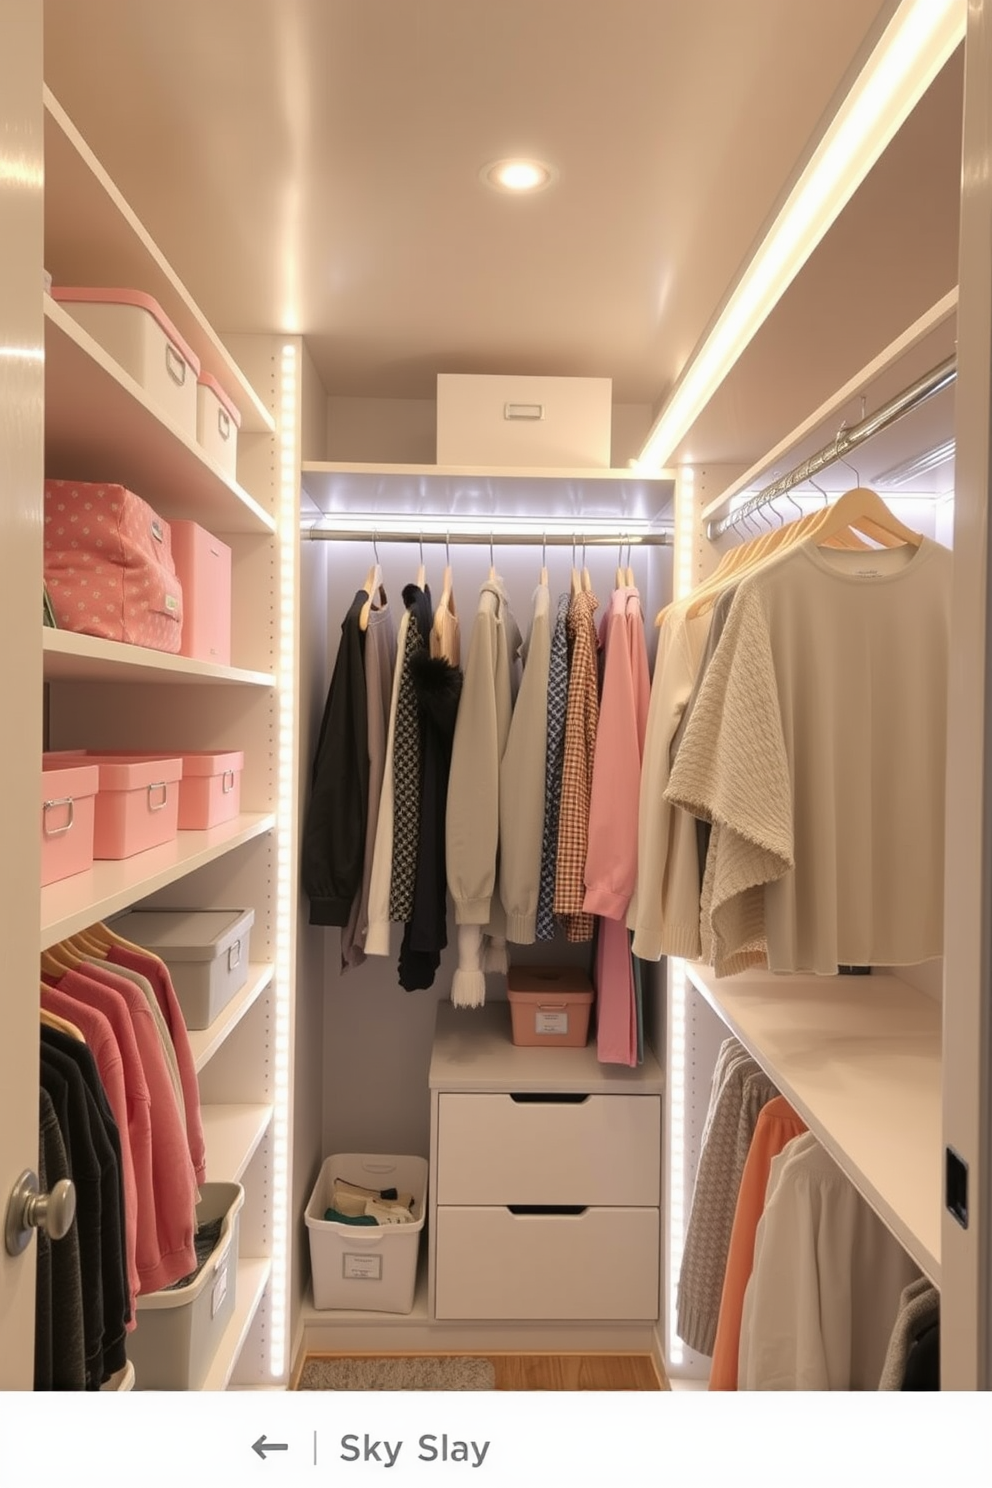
[203,565]
[108,566]
[137,804]
[210,787]
[68,793]
[550,1006]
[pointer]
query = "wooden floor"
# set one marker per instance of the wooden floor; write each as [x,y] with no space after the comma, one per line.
[561,1371]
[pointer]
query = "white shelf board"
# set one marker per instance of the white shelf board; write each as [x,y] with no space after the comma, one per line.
[70,657]
[204,1042]
[859,1058]
[231,1134]
[93,237]
[473,1052]
[253,1277]
[109,886]
[481,491]
[100,425]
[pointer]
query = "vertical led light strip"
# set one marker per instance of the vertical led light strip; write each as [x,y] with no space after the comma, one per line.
[285,841]
[685,539]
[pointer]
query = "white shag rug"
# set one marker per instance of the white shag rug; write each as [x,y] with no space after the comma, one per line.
[415,1373]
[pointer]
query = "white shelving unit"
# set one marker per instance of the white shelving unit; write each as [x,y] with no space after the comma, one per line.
[859,1059]
[100,425]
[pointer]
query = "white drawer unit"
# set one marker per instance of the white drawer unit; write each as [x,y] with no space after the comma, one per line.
[524,421]
[595,1263]
[549,1148]
[545,1189]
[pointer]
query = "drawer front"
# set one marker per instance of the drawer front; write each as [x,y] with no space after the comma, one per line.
[598,1264]
[497,1149]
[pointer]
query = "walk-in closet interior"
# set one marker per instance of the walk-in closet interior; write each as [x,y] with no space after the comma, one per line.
[728,370]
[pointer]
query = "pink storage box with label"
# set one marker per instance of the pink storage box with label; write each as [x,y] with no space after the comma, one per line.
[203,565]
[137,804]
[108,566]
[68,794]
[217,424]
[137,333]
[550,1005]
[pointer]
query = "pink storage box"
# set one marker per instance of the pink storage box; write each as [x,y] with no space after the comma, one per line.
[217,424]
[68,794]
[203,566]
[108,566]
[137,804]
[210,788]
[550,1005]
[134,329]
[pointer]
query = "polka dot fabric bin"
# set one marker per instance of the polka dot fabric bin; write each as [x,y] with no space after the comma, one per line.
[108,566]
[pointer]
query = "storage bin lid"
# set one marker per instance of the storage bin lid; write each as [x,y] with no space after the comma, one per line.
[69,779]
[209,762]
[187,934]
[79,294]
[217,1201]
[208,380]
[552,979]
[550,997]
[135,771]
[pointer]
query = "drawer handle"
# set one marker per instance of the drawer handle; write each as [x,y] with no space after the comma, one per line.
[47,806]
[547,1208]
[547,1098]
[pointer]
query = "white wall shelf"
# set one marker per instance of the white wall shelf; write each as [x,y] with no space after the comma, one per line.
[93,237]
[859,1058]
[100,425]
[204,1042]
[73,903]
[231,1134]
[253,1276]
[70,657]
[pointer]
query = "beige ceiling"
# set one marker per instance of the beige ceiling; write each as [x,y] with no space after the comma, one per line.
[312,166]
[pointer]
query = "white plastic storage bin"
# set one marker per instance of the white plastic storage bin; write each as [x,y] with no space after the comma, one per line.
[206,951]
[134,329]
[521,421]
[364,1267]
[179,1329]
[217,424]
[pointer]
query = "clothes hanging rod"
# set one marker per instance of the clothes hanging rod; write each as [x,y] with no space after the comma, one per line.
[907,401]
[599,538]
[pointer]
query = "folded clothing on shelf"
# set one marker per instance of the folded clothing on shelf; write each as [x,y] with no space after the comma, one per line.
[352,1204]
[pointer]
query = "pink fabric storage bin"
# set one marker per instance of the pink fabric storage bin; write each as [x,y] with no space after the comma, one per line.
[137,805]
[217,424]
[550,1005]
[203,565]
[108,566]
[68,795]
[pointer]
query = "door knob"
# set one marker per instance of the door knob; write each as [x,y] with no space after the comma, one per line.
[28,1209]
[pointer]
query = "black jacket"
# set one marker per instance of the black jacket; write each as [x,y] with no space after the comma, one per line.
[333,852]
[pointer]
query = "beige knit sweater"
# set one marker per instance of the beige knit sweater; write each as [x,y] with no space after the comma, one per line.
[816,748]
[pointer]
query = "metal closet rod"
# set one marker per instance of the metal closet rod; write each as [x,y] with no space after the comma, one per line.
[910,398]
[499,538]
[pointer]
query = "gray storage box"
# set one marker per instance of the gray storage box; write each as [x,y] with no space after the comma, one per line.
[179,1330]
[206,951]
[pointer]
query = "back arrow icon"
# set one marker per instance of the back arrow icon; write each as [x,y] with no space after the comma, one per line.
[262,1446]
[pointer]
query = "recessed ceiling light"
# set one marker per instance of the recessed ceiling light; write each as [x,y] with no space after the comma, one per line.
[518,176]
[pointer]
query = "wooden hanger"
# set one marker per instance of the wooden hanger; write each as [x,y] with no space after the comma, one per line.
[87,945]
[575,583]
[52,1020]
[105,938]
[492,561]
[421,570]
[586,579]
[629,574]
[544,563]
[373,587]
[863,509]
[55,964]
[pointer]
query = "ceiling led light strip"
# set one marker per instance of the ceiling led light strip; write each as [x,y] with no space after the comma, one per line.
[919,39]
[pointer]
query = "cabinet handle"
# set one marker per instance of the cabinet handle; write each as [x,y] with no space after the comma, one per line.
[548,1098]
[524,1209]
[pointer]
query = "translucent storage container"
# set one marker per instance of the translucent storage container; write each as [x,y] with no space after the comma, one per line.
[550,1005]
[68,795]
[203,567]
[179,1329]
[206,951]
[134,329]
[217,424]
[370,1268]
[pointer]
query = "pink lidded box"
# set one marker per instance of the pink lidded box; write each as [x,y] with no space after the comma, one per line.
[210,787]
[217,424]
[550,1005]
[203,567]
[68,793]
[134,329]
[137,804]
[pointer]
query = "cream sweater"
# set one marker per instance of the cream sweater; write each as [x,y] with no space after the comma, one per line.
[521,782]
[816,748]
[377,931]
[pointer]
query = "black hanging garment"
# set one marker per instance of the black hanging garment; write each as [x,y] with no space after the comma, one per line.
[59,1339]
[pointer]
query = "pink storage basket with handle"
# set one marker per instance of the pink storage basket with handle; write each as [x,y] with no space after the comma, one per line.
[108,566]
[210,788]
[137,804]
[68,791]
